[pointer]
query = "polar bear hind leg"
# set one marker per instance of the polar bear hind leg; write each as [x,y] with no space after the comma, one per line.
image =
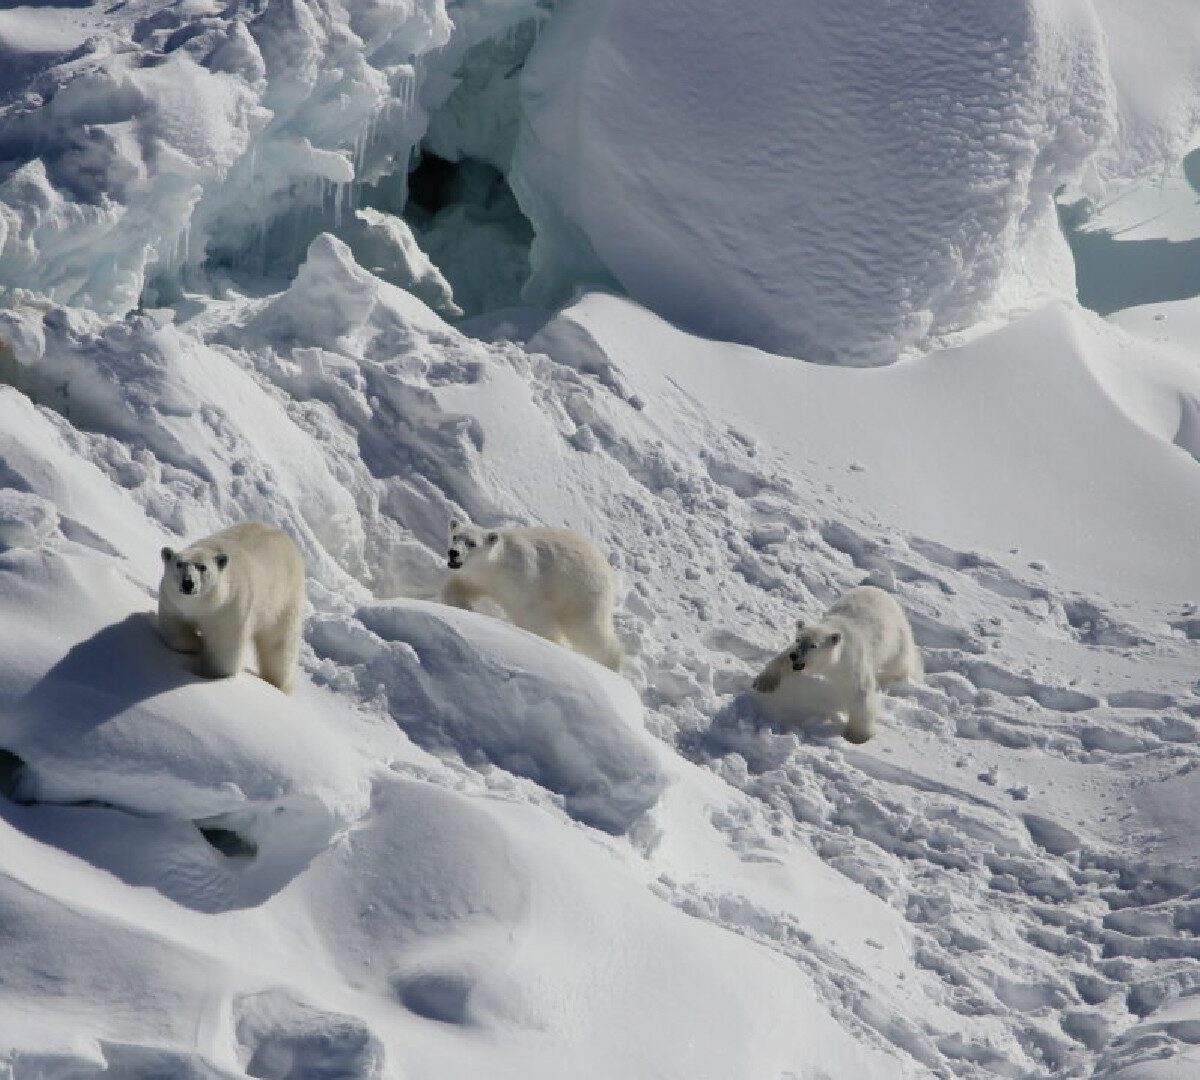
[914,668]
[596,639]
[906,666]
[278,650]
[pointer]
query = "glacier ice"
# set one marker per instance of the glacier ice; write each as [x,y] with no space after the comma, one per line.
[183,145]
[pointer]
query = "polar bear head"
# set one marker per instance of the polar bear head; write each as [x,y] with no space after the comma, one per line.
[193,576]
[470,545]
[816,647]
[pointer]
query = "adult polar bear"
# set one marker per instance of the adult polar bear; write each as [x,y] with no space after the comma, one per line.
[243,584]
[863,642]
[551,582]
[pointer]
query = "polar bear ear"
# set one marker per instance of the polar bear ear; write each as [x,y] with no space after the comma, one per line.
[492,537]
[222,561]
[800,624]
[455,524]
[167,554]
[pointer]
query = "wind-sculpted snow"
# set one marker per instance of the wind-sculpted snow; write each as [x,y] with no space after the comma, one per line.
[467,684]
[380,909]
[468,815]
[832,181]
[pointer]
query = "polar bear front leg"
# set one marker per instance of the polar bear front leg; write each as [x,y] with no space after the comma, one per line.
[278,650]
[224,651]
[861,712]
[178,634]
[771,676]
[459,593]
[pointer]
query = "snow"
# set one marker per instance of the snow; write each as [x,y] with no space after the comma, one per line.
[459,849]
[821,181]
[977,424]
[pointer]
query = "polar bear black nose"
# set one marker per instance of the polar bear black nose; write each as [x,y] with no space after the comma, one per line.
[188,585]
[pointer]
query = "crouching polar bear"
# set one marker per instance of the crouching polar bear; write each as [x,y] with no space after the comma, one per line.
[863,642]
[243,584]
[549,581]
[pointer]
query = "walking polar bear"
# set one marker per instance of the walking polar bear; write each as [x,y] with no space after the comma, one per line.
[863,642]
[549,581]
[243,584]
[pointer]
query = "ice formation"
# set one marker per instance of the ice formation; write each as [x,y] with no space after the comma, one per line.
[186,143]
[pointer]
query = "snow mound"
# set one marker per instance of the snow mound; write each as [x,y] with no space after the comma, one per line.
[470,684]
[827,181]
[117,718]
[457,849]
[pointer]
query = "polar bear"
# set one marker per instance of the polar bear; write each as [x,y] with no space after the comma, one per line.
[551,582]
[242,584]
[863,642]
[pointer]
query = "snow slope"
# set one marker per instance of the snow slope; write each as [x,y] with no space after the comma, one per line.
[957,898]
[381,907]
[460,850]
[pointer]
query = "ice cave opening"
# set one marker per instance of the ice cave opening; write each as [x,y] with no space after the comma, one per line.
[465,221]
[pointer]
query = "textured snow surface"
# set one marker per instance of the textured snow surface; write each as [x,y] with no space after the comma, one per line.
[838,181]
[459,850]
[832,181]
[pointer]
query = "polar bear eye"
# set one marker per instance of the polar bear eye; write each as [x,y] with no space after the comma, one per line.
[201,567]
[181,566]
[470,543]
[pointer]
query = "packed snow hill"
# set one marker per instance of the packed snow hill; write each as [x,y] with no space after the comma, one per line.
[767,304]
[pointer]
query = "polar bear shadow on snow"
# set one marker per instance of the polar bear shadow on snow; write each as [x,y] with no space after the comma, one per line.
[94,680]
[837,665]
[551,582]
[240,587]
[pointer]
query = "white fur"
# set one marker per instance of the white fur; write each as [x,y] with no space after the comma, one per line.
[257,597]
[549,581]
[863,642]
